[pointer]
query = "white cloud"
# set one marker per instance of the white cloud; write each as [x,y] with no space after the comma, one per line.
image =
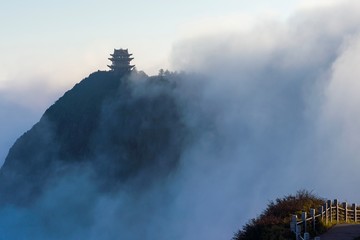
[341,111]
[282,99]
[306,4]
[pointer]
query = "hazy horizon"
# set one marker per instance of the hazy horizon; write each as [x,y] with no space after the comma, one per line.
[46,50]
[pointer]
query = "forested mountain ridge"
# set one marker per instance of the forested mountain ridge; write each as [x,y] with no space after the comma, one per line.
[115,127]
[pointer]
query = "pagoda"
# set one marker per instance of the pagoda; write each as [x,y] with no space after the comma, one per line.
[121,61]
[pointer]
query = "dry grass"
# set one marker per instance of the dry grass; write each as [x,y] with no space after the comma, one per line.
[274,222]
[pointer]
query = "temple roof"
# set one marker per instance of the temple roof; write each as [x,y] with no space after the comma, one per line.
[121,51]
[121,60]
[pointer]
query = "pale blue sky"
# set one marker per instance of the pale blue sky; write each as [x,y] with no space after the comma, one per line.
[41,30]
[88,30]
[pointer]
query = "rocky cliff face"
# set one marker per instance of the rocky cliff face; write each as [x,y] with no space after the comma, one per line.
[119,129]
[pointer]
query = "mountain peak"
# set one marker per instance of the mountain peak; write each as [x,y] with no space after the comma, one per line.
[105,123]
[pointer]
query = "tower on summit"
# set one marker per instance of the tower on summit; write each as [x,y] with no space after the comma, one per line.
[120,60]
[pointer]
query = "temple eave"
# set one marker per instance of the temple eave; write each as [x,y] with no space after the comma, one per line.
[120,59]
[121,67]
[117,55]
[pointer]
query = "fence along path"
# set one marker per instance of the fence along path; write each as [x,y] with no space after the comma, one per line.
[330,212]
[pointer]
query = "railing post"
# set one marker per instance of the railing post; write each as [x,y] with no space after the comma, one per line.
[293,223]
[298,232]
[330,210]
[321,211]
[336,203]
[306,236]
[312,214]
[303,218]
[354,210]
[326,213]
[346,211]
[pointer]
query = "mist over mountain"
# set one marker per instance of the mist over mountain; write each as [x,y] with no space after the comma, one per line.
[105,124]
[271,110]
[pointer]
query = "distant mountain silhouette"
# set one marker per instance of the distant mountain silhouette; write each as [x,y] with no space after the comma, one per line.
[119,128]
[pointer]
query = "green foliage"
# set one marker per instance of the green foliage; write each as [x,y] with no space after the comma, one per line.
[274,222]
